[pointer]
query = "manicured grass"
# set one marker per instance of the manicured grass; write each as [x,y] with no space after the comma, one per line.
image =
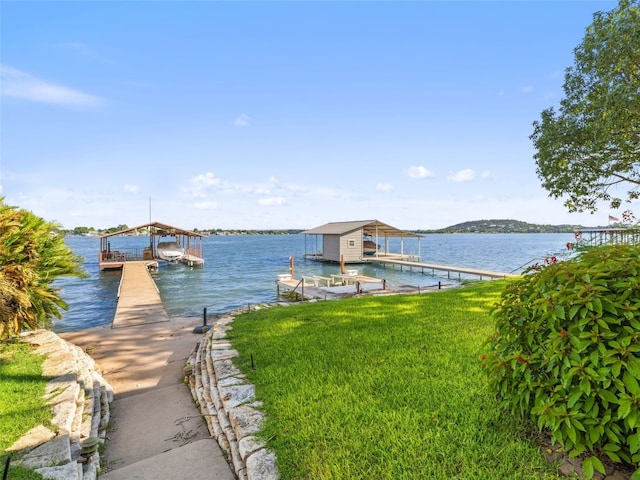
[384,388]
[21,403]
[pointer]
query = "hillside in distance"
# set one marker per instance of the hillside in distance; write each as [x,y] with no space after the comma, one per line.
[504,226]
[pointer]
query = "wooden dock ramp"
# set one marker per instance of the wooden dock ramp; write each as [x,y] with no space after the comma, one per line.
[139,301]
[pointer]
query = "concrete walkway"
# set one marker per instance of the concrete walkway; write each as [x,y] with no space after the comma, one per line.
[156,431]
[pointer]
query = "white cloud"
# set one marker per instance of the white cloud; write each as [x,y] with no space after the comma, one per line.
[82,50]
[77,47]
[206,205]
[527,89]
[131,188]
[384,187]
[462,176]
[200,184]
[486,174]
[241,120]
[272,201]
[267,188]
[18,84]
[419,172]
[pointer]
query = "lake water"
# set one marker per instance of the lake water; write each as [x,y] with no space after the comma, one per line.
[242,269]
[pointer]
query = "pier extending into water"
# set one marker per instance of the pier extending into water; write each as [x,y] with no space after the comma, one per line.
[139,300]
[421,266]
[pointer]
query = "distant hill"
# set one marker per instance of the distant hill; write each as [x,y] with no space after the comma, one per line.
[504,226]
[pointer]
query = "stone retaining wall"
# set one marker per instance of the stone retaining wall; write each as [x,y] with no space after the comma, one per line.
[79,397]
[227,401]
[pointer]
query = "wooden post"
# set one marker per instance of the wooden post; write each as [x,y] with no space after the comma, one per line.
[342,264]
[291,266]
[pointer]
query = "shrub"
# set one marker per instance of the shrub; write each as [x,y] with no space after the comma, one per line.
[566,355]
[32,256]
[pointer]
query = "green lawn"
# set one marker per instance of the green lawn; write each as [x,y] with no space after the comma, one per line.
[384,388]
[21,404]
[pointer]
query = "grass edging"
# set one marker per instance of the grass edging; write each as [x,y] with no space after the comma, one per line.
[21,400]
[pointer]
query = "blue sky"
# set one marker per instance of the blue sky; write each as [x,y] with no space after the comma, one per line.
[288,114]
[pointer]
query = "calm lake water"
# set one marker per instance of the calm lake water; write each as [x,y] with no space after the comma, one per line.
[242,269]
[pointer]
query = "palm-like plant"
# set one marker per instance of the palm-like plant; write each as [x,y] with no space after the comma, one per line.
[32,256]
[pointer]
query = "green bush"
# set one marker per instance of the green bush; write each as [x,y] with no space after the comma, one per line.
[565,353]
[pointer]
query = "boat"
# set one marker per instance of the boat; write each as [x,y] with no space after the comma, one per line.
[170,251]
[370,247]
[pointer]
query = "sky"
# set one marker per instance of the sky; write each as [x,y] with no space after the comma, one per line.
[282,114]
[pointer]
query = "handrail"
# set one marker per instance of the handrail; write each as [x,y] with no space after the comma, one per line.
[301,282]
[526,263]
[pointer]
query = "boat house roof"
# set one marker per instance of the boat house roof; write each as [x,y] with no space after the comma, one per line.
[158,229]
[369,227]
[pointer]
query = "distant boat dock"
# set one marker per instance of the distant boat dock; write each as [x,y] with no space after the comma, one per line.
[367,241]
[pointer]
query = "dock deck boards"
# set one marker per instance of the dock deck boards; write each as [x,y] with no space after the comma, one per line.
[139,301]
[445,268]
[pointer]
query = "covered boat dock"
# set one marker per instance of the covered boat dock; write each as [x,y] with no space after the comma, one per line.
[351,242]
[356,242]
[112,256]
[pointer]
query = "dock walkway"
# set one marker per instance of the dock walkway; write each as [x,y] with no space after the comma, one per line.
[139,301]
[443,268]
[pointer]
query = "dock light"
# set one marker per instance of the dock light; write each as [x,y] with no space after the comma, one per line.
[204,328]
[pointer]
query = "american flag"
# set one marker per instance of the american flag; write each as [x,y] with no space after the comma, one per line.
[613,219]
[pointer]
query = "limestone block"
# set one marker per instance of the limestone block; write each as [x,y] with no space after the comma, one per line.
[58,363]
[220,333]
[248,445]
[245,421]
[261,465]
[236,459]
[224,354]
[55,452]
[242,474]
[60,385]
[63,415]
[229,381]
[32,439]
[90,471]
[220,345]
[225,320]
[225,368]
[70,471]
[235,395]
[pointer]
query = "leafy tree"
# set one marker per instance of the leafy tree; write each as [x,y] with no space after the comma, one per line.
[32,255]
[589,151]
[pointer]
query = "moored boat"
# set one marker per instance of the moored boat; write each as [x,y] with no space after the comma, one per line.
[370,247]
[170,251]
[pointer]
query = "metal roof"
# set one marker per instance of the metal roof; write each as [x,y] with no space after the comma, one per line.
[369,227]
[159,229]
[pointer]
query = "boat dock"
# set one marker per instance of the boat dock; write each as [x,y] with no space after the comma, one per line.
[333,287]
[188,246]
[139,300]
[192,260]
[416,265]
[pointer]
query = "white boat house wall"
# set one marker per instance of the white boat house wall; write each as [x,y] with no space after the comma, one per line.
[355,242]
